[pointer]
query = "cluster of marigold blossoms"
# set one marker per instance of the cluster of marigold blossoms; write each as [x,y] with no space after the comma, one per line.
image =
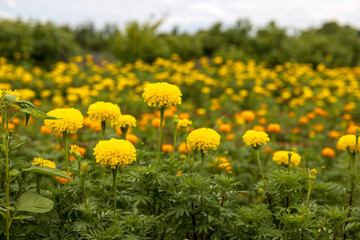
[331,92]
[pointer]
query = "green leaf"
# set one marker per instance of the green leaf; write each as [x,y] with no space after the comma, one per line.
[24,104]
[2,146]
[37,113]
[10,98]
[32,202]
[48,171]
[11,208]
[21,217]
[14,172]
[27,117]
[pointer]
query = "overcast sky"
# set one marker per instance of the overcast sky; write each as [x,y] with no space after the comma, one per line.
[189,15]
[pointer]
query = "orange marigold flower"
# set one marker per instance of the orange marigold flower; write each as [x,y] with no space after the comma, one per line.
[63,180]
[328,152]
[167,148]
[225,128]
[258,128]
[274,128]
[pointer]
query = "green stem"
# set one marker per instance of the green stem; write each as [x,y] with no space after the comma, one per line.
[202,175]
[186,145]
[202,162]
[65,139]
[309,192]
[7,183]
[38,182]
[114,171]
[259,163]
[175,133]
[124,131]
[14,116]
[103,127]
[162,110]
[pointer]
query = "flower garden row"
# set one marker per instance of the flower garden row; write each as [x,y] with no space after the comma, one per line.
[201,187]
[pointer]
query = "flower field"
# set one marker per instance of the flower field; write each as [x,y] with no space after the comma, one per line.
[203,149]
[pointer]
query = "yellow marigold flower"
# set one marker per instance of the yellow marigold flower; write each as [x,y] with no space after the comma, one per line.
[124,121]
[103,111]
[203,139]
[44,163]
[184,123]
[27,94]
[114,152]
[69,120]
[347,143]
[10,92]
[255,138]
[162,95]
[282,157]
[74,149]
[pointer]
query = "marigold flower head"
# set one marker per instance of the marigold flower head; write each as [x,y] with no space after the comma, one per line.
[45,130]
[114,152]
[44,163]
[222,162]
[203,139]
[328,152]
[69,120]
[255,138]
[282,157]
[312,174]
[295,131]
[64,180]
[83,169]
[155,122]
[162,95]
[124,121]
[167,148]
[225,128]
[248,115]
[12,92]
[74,148]
[95,125]
[258,128]
[183,148]
[352,129]
[303,120]
[184,115]
[274,128]
[103,111]
[230,136]
[132,138]
[184,123]
[347,143]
